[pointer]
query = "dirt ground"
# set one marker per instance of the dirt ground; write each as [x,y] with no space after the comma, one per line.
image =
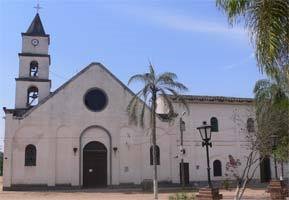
[109,194]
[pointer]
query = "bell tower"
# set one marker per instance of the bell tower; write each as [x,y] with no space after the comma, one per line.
[33,84]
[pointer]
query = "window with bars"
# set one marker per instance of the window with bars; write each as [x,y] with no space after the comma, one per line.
[30,155]
[214,124]
[250,125]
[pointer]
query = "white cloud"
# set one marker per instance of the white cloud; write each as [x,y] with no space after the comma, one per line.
[182,22]
[241,63]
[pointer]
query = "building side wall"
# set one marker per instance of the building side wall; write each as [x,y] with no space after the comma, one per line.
[229,140]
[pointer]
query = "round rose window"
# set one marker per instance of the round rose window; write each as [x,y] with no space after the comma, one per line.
[95,99]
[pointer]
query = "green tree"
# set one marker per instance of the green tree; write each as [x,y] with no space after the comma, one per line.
[154,86]
[256,146]
[272,114]
[268,24]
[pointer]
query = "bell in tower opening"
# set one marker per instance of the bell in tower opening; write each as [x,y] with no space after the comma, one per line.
[33,83]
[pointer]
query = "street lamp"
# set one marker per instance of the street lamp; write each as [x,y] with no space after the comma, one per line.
[205,132]
[274,145]
[182,129]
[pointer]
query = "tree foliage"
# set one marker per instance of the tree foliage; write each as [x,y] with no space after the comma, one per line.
[242,175]
[154,86]
[257,146]
[272,114]
[268,24]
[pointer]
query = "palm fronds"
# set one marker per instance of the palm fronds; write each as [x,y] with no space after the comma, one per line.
[268,24]
[163,85]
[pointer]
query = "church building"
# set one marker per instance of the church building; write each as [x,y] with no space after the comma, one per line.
[79,135]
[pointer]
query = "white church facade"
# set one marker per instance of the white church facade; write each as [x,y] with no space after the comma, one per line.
[79,135]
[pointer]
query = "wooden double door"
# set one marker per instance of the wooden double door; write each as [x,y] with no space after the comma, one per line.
[94,165]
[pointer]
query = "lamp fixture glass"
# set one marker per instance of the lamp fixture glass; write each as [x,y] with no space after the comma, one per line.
[205,131]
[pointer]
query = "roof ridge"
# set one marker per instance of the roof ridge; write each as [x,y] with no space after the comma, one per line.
[216,99]
[58,89]
[73,78]
[213,96]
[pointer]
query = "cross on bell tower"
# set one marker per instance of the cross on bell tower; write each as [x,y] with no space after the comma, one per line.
[37,7]
[33,84]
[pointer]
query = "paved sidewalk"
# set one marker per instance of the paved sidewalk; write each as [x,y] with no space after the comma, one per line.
[252,195]
[112,194]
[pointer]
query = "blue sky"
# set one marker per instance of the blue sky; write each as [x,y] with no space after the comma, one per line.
[189,37]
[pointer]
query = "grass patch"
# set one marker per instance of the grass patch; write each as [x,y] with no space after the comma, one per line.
[183,196]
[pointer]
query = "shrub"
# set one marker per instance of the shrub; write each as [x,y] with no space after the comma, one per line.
[226,184]
[182,196]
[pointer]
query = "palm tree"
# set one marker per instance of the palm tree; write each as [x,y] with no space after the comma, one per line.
[268,25]
[154,86]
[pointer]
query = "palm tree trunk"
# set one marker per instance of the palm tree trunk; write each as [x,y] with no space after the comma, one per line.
[155,174]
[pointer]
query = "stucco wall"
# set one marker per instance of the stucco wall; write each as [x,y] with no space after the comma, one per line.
[41,48]
[43,66]
[63,123]
[59,123]
[22,89]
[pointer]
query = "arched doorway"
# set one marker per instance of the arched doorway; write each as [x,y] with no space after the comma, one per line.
[94,165]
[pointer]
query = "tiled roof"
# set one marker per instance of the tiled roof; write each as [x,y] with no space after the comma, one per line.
[216,99]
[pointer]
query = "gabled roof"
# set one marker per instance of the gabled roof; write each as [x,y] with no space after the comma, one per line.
[36,28]
[25,112]
[22,113]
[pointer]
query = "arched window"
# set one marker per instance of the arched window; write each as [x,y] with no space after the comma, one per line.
[214,124]
[30,155]
[33,69]
[250,125]
[32,96]
[157,153]
[217,166]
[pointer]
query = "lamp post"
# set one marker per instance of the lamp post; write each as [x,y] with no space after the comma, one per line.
[274,144]
[182,129]
[205,132]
